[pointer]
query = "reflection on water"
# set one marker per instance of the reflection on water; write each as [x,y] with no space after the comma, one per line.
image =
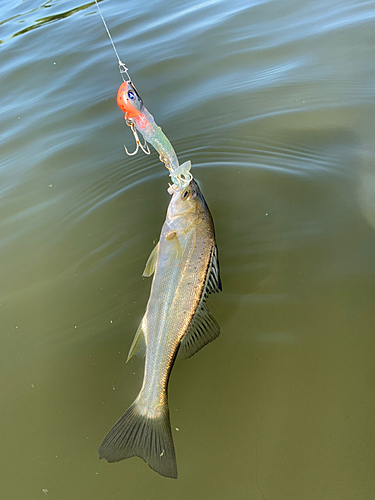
[50,19]
[273,104]
[37,23]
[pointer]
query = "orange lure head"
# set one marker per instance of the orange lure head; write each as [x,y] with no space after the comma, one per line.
[129,101]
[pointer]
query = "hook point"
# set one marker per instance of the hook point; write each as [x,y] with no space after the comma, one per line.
[144,146]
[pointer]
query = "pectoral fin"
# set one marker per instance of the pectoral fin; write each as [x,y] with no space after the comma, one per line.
[202,330]
[151,262]
[172,238]
[138,347]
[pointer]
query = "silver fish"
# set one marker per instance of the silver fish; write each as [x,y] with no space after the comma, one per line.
[186,269]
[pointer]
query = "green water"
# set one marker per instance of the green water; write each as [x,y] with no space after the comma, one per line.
[273,102]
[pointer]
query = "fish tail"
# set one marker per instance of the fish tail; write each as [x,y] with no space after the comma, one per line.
[143,435]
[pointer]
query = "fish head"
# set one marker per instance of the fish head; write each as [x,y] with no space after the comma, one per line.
[187,202]
[129,101]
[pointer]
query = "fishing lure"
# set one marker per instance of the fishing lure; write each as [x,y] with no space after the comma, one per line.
[139,119]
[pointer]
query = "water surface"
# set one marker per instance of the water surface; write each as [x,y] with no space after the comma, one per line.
[273,102]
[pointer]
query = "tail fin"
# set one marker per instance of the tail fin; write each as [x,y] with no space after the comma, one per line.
[147,437]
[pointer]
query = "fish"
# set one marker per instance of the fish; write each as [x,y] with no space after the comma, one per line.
[177,321]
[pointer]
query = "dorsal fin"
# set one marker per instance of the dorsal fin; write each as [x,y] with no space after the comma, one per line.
[138,347]
[213,283]
[203,327]
[202,330]
[151,262]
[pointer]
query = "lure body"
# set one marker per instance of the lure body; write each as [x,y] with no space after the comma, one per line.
[130,102]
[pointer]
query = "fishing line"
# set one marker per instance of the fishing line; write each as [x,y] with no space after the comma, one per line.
[122,67]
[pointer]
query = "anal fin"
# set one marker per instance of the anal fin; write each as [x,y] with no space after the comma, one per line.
[138,347]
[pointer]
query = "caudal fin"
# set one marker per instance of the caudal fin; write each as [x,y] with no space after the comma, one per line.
[149,438]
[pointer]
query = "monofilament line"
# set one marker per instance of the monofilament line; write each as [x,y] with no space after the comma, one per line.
[122,66]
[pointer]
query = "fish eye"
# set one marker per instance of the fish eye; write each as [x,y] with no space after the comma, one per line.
[131,95]
[184,195]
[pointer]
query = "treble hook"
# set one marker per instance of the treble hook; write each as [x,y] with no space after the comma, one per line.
[144,146]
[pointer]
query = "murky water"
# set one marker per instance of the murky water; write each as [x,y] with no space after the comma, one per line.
[273,102]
